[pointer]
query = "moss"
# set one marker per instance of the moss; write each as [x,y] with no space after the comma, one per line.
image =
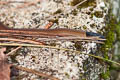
[78,45]
[92,25]
[98,14]
[58,11]
[91,15]
[54,21]
[83,5]
[109,33]
[110,39]
[117,30]
[91,9]
[88,13]
[110,36]
[105,75]
[13,57]
[66,74]
[114,66]
[52,44]
[74,12]
[75,2]
[85,27]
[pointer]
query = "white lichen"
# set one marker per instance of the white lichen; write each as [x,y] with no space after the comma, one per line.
[65,65]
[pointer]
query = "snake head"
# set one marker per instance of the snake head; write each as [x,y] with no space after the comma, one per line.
[91,34]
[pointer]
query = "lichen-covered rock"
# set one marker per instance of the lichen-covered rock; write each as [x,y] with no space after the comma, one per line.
[65,65]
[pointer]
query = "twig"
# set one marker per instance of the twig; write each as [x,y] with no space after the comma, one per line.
[97,40]
[20,40]
[36,72]
[76,6]
[29,45]
[19,7]
[100,42]
[68,11]
[11,53]
[50,17]
[43,38]
[80,38]
[7,2]
[48,25]
[28,4]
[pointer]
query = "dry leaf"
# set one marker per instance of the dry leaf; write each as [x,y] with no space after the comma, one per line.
[4,66]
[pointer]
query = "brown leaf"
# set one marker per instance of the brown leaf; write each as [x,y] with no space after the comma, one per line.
[4,66]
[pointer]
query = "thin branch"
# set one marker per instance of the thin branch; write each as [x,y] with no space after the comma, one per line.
[11,53]
[36,72]
[20,40]
[78,52]
[8,2]
[28,4]
[48,25]
[25,4]
[68,11]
